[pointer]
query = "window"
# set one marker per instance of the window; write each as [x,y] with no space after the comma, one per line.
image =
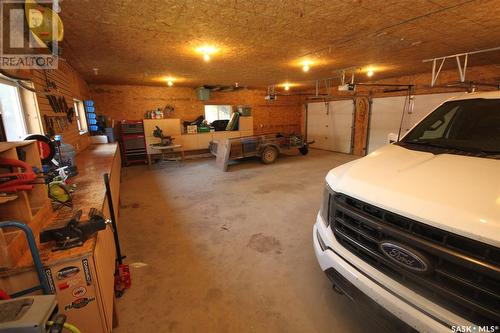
[81,118]
[11,112]
[217,112]
[464,126]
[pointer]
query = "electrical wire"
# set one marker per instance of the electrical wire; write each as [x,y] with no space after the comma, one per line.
[67,326]
[19,81]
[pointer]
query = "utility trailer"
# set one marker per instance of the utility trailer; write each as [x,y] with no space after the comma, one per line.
[267,147]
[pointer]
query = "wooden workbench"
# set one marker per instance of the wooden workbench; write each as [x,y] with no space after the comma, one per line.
[87,298]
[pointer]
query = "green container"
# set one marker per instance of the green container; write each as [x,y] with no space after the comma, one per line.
[202,129]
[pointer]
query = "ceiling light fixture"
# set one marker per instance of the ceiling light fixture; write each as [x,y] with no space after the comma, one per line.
[286,86]
[170,81]
[207,51]
[306,65]
[370,72]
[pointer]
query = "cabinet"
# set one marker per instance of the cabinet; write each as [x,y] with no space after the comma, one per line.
[246,124]
[82,278]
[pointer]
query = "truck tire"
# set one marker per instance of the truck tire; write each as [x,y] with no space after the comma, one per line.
[269,155]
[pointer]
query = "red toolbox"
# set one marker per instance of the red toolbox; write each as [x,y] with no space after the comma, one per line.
[133,143]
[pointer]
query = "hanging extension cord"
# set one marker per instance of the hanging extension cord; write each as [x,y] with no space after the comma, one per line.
[71,328]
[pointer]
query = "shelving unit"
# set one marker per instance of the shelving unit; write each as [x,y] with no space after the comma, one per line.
[91,116]
[30,207]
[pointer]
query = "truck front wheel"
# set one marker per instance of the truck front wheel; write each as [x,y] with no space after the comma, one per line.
[269,155]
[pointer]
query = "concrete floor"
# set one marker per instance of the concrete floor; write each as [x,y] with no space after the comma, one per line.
[228,252]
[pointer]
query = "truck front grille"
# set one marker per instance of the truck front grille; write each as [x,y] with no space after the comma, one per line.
[464,276]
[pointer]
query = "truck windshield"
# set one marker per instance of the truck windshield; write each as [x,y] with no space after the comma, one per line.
[467,127]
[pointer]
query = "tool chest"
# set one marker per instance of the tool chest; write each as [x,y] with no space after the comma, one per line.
[133,142]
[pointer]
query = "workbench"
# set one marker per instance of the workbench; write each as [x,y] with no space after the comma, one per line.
[189,142]
[82,278]
[168,153]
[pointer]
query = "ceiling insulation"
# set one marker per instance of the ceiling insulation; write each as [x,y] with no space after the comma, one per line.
[141,42]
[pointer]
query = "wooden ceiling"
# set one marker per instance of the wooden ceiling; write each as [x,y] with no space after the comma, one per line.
[261,41]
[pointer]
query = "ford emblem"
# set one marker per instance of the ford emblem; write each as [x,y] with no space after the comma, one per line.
[405,257]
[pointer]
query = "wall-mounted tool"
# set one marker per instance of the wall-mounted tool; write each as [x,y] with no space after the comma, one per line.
[54,104]
[70,113]
[74,233]
[49,125]
[49,84]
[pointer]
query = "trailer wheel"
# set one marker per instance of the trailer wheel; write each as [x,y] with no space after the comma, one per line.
[269,155]
[304,150]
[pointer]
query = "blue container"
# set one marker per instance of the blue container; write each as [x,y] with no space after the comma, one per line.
[92,121]
[89,103]
[91,116]
[93,128]
[90,109]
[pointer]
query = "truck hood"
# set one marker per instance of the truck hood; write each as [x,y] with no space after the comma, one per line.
[459,194]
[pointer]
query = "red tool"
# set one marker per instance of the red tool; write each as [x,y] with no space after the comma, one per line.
[3,295]
[16,181]
[123,279]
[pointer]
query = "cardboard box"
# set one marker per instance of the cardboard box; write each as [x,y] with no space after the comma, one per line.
[192,129]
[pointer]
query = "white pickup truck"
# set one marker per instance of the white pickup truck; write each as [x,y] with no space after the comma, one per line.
[415,226]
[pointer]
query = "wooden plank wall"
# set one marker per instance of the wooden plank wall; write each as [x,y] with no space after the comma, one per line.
[70,85]
[131,102]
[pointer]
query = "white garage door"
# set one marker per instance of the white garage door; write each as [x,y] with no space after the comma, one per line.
[318,125]
[385,118]
[386,115]
[330,125]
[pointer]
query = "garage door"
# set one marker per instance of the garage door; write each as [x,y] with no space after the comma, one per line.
[386,115]
[330,125]
[385,118]
[317,125]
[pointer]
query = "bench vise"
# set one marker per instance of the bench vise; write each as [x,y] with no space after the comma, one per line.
[74,233]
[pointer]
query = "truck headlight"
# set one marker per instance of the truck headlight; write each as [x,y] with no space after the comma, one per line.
[325,205]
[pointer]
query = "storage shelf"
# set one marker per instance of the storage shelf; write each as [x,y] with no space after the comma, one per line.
[29,207]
